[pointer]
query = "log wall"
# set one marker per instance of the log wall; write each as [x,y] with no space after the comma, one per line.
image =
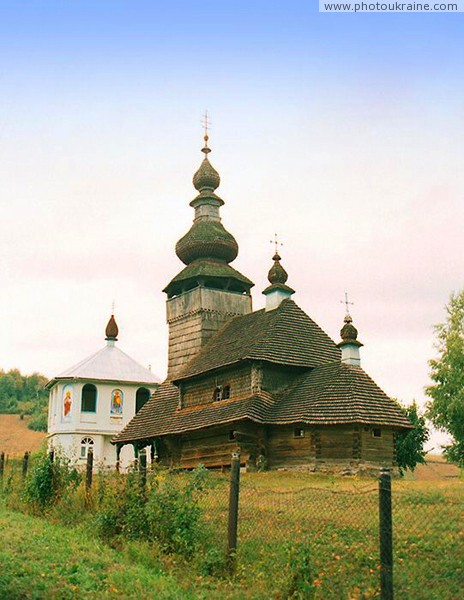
[201,390]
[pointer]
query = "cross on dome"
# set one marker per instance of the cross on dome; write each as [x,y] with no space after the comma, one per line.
[276,243]
[347,303]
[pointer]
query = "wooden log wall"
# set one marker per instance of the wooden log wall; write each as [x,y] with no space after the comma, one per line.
[201,390]
[286,450]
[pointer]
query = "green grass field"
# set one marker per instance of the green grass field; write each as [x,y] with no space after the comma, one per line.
[313,536]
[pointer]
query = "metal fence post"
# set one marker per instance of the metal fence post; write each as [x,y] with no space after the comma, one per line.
[51,455]
[385,535]
[2,464]
[25,464]
[233,510]
[89,470]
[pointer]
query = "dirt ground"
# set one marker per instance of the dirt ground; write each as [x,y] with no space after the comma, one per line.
[435,469]
[16,438]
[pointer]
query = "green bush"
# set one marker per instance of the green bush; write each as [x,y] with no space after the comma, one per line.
[301,572]
[38,422]
[47,481]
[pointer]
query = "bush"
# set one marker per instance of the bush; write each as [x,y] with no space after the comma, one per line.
[38,422]
[301,572]
[47,481]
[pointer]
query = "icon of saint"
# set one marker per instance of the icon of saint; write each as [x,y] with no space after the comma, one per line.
[67,403]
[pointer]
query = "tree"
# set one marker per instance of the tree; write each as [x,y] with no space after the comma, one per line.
[446,408]
[409,444]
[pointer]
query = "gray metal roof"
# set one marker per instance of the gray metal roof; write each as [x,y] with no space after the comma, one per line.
[109,364]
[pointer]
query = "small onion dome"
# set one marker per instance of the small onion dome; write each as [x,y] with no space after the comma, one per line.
[277,274]
[112,329]
[206,178]
[349,333]
[207,239]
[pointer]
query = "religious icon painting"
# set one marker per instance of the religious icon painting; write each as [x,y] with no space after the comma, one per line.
[117,399]
[67,402]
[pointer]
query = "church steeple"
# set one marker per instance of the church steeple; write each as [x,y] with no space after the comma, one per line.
[208,291]
[349,344]
[278,290]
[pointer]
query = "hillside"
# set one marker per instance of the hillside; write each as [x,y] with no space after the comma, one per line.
[16,438]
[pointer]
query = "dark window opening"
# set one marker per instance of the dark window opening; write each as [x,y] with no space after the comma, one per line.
[141,397]
[231,435]
[89,398]
[377,432]
[226,392]
[299,433]
[216,394]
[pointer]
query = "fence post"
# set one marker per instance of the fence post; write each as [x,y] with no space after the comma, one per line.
[25,464]
[2,464]
[233,510]
[143,470]
[385,535]
[89,470]
[51,455]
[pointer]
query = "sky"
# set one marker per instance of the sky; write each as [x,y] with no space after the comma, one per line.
[343,133]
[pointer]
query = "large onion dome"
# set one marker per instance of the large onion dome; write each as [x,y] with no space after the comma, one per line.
[277,274]
[206,178]
[207,239]
[112,329]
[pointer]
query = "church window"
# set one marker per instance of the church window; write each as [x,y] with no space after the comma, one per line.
[141,397]
[298,433]
[377,432]
[86,444]
[89,398]
[217,393]
[226,392]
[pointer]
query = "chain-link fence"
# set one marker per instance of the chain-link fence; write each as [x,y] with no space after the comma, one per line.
[280,535]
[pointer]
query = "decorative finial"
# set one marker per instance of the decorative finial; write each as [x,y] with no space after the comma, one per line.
[277,274]
[113,304]
[112,330]
[206,122]
[276,243]
[348,318]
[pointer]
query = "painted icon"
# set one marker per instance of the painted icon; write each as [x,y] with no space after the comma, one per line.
[67,402]
[117,399]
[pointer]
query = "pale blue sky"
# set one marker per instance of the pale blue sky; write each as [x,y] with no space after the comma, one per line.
[342,132]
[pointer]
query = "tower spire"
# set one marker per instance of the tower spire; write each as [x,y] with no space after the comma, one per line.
[277,277]
[349,334]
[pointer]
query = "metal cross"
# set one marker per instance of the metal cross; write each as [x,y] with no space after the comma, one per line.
[206,122]
[113,304]
[276,242]
[347,303]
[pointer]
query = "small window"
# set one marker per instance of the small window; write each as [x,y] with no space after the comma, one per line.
[141,397]
[298,433]
[377,432]
[231,435]
[217,394]
[89,398]
[86,444]
[226,392]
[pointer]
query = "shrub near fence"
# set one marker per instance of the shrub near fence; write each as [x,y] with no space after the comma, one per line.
[299,535]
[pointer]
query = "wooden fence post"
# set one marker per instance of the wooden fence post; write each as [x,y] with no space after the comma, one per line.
[143,470]
[51,455]
[233,510]
[2,464]
[25,464]
[385,535]
[89,470]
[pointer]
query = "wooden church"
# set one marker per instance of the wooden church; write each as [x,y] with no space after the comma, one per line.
[269,383]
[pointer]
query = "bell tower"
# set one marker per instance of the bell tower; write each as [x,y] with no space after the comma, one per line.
[208,291]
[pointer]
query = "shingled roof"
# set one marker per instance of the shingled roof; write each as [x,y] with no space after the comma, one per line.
[336,394]
[284,336]
[332,394]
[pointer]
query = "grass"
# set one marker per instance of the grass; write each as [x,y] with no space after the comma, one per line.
[331,522]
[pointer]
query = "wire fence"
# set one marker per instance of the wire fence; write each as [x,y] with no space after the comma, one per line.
[282,536]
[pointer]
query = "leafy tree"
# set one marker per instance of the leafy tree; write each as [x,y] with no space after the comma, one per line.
[446,407]
[409,444]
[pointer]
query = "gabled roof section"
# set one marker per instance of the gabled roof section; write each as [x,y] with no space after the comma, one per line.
[109,364]
[285,336]
[336,394]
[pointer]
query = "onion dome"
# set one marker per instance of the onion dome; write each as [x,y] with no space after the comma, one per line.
[207,239]
[277,274]
[112,329]
[278,290]
[206,178]
[348,332]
